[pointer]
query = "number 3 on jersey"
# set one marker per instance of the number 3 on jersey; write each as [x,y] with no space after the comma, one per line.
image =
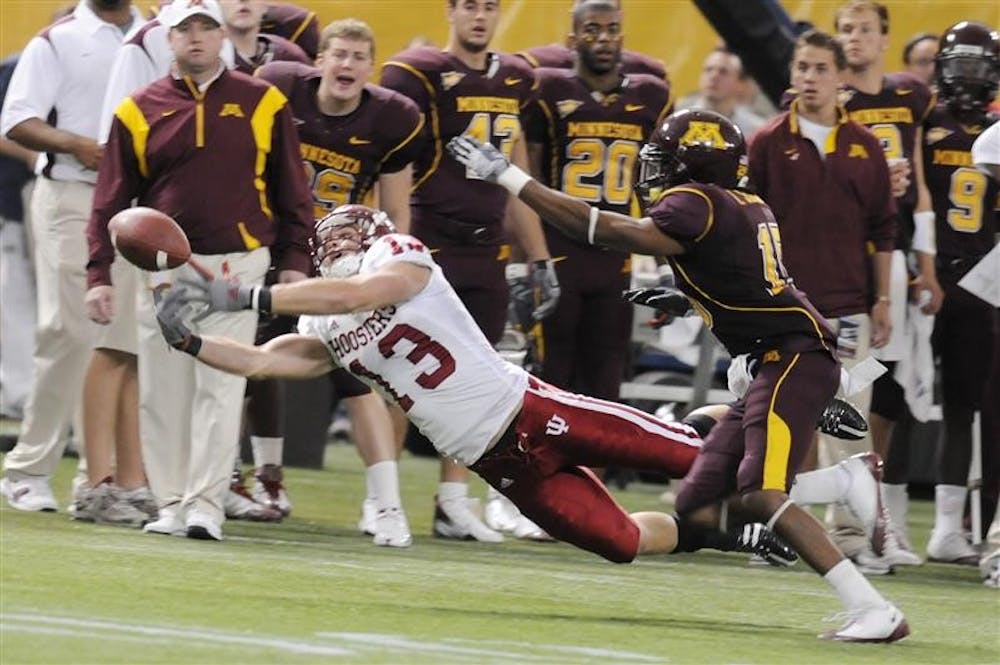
[483,128]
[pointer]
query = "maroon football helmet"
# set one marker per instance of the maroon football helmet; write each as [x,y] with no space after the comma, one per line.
[692,145]
[344,235]
[967,69]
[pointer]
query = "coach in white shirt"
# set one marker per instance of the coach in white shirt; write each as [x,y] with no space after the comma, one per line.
[53,106]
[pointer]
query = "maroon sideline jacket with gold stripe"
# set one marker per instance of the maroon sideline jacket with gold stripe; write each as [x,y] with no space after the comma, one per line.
[223,162]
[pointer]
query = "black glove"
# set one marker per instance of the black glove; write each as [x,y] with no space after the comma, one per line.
[172,306]
[668,301]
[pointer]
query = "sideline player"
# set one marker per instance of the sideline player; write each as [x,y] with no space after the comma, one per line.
[468,89]
[354,136]
[723,245]
[966,337]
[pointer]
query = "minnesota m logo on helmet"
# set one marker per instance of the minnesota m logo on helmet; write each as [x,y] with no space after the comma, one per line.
[707,134]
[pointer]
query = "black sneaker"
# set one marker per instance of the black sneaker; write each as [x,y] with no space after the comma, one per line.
[759,540]
[841,420]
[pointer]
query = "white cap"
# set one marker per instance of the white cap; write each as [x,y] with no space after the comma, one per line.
[179,11]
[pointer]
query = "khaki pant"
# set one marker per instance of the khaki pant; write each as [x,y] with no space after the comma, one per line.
[854,343]
[64,336]
[189,413]
[17,318]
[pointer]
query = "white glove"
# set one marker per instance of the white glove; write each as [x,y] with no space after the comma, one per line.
[484,161]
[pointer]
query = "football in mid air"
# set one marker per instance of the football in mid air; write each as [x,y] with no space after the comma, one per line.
[149,239]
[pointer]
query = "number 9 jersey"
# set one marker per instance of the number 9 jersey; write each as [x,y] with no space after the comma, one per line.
[427,355]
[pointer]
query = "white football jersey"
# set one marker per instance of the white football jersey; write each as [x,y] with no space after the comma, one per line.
[428,356]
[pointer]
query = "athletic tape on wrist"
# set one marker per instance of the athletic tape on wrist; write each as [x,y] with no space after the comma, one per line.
[592,229]
[777,514]
[923,232]
[513,179]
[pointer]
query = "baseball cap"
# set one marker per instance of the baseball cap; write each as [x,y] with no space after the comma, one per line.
[179,11]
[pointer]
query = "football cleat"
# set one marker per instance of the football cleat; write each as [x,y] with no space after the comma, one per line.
[500,514]
[841,420]
[454,519]
[872,624]
[864,498]
[239,505]
[369,511]
[951,548]
[991,573]
[757,539]
[525,529]
[269,489]
[392,529]
[898,551]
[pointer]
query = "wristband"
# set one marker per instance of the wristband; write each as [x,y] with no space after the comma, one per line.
[513,179]
[592,229]
[191,345]
[260,299]
[515,271]
[923,232]
[879,299]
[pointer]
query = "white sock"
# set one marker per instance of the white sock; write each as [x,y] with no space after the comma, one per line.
[451,492]
[826,485]
[897,502]
[267,450]
[949,502]
[854,590]
[382,481]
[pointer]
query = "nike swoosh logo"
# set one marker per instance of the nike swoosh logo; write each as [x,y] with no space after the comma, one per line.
[167,114]
[557,259]
[354,140]
[634,107]
[903,92]
[510,80]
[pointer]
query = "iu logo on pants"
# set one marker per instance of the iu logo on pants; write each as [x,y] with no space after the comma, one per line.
[556,426]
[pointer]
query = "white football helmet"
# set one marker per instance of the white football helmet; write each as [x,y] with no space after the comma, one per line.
[343,237]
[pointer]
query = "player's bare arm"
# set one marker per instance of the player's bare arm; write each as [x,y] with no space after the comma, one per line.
[394,196]
[36,134]
[387,286]
[568,214]
[923,240]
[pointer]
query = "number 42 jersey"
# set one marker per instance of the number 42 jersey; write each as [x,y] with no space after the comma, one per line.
[427,355]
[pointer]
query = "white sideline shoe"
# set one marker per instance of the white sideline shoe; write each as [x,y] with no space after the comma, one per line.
[500,513]
[864,497]
[106,504]
[873,624]
[169,523]
[239,505]
[898,552]
[392,529]
[30,493]
[143,499]
[951,548]
[202,526]
[454,519]
[369,511]
[991,574]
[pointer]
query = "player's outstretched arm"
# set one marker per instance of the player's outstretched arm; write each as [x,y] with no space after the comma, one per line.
[288,356]
[391,284]
[570,215]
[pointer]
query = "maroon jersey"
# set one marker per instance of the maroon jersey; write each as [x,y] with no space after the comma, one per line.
[296,24]
[447,207]
[344,155]
[561,56]
[591,141]
[223,162]
[732,270]
[270,48]
[831,207]
[893,115]
[965,198]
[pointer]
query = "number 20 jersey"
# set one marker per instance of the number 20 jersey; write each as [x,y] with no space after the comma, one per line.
[427,355]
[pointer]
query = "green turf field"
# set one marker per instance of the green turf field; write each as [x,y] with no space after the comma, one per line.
[314,590]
